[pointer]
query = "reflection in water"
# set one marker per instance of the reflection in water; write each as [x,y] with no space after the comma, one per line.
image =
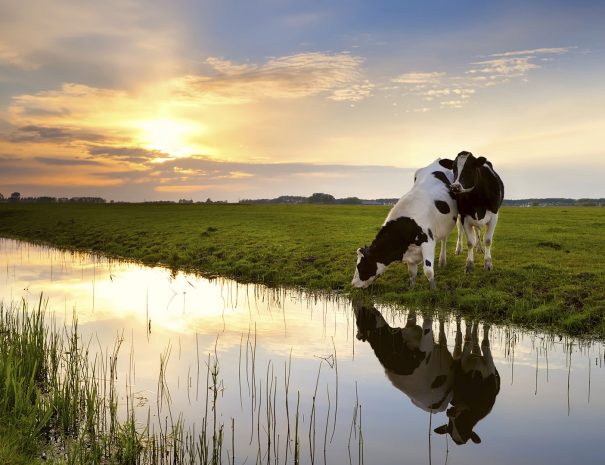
[286,362]
[476,385]
[413,362]
[427,372]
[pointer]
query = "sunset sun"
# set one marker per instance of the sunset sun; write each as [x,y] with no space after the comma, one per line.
[175,137]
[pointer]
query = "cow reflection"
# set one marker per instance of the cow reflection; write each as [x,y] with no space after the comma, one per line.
[413,362]
[476,385]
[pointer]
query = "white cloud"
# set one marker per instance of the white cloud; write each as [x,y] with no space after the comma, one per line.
[439,87]
[419,78]
[339,75]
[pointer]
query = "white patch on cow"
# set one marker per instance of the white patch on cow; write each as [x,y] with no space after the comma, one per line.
[460,162]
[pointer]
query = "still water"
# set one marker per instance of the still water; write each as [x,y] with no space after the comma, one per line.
[354,383]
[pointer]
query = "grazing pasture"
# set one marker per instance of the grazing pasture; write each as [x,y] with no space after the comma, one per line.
[548,267]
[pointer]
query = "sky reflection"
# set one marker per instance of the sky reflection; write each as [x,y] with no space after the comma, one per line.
[548,409]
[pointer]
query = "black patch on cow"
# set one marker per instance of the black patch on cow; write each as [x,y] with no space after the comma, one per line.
[442,177]
[426,331]
[427,262]
[439,381]
[442,206]
[392,241]
[391,345]
[446,163]
[430,233]
[367,266]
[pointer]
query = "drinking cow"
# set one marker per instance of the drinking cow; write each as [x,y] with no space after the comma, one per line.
[423,216]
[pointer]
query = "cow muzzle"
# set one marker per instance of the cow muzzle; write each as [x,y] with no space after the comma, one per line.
[456,188]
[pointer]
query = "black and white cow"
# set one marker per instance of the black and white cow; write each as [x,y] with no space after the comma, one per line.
[423,216]
[479,193]
[476,385]
[412,361]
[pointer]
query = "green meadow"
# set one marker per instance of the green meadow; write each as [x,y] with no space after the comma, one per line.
[548,267]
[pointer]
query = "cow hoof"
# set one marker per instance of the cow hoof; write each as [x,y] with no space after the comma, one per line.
[469,267]
[488,265]
[412,283]
[458,250]
[432,285]
[442,263]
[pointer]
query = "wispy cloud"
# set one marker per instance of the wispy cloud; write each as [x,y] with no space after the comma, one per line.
[339,76]
[454,90]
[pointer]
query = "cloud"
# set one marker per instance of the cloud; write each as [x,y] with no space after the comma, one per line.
[10,56]
[535,51]
[337,75]
[419,78]
[504,67]
[65,161]
[106,42]
[439,87]
[130,154]
[41,134]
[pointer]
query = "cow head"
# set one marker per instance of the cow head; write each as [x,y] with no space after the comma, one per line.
[367,268]
[461,422]
[465,168]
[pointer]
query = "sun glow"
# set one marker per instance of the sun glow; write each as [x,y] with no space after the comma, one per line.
[175,137]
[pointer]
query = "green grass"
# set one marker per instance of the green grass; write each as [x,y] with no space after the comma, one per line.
[548,267]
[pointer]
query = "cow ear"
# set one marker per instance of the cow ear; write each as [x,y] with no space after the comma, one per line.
[441,429]
[480,161]
[447,163]
[475,438]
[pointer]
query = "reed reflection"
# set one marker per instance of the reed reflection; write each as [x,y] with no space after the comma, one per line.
[429,374]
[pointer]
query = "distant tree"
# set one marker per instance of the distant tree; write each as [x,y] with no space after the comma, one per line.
[209,200]
[1,197]
[319,197]
[350,201]
[15,196]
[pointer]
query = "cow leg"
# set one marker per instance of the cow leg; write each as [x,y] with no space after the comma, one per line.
[467,347]
[428,257]
[442,336]
[413,271]
[459,239]
[427,341]
[489,234]
[486,350]
[442,254]
[458,340]
[475,337]
[479,244]
[471,240]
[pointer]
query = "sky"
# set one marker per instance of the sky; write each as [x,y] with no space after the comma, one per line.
[139,100]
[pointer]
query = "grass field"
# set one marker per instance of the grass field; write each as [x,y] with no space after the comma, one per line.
[548,270]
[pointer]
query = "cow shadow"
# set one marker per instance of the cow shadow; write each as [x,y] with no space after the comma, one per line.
[431,376]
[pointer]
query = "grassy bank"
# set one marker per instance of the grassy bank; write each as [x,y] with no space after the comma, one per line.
[547,266]
[59,403]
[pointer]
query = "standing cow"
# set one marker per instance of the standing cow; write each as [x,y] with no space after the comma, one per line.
[479,193]
[476,385]
[423,216]
[412,360]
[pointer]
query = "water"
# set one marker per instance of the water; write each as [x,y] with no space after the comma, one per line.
[344,366]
